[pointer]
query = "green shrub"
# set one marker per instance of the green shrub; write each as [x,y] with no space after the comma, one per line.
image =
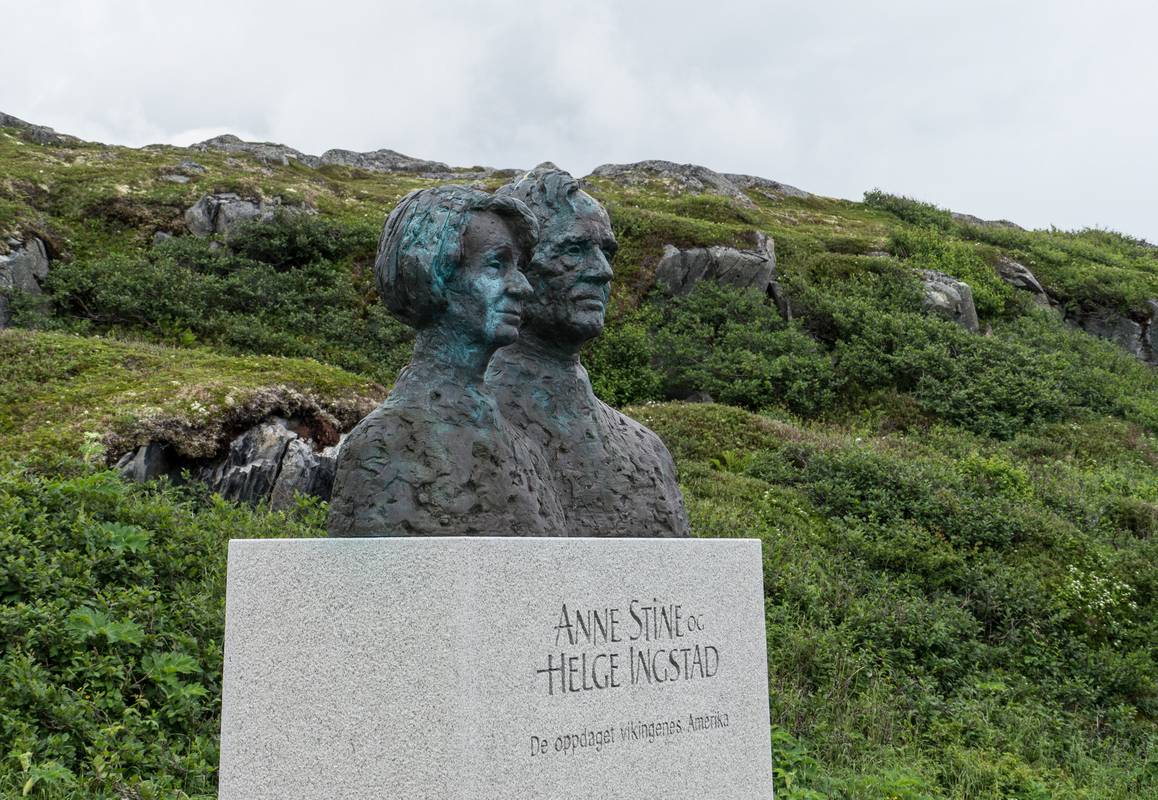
[620,362]
[187,291]
[925,248]
[733,345]
[912,211]
[111,614]
[294,240]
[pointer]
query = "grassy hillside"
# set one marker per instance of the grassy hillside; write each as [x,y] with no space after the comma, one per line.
[961,530]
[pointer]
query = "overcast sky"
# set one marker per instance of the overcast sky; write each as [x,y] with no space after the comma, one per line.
[1039,111]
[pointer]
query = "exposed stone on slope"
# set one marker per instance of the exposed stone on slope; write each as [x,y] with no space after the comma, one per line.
[382,161]
[250,468]
[680,271]
[1135,334]
[149,462]
[374,161]
[271,461]
[771,189]
[40,134]
[266,152]
[1019,276]
[984,223]
[23,269]
[304,471]
[217,213]
[950,298]
[690,178]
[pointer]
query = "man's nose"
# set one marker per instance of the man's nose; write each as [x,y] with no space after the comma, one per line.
[518,285]
[597,269]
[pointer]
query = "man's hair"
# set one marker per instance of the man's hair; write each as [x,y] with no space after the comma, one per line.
[546,190]
[421,246]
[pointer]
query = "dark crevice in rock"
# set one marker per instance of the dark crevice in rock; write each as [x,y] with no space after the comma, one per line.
[270,462]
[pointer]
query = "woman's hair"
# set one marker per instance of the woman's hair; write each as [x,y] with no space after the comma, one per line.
[421,246]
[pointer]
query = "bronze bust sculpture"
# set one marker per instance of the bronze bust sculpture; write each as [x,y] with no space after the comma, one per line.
[530,450]
[437,457]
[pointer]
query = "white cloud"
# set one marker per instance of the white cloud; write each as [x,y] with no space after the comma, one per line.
[1038,111]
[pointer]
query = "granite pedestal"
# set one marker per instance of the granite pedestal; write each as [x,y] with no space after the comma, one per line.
[495,668]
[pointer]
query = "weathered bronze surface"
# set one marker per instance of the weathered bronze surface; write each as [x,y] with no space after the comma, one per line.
[613,476]
[438,458]
[529,450]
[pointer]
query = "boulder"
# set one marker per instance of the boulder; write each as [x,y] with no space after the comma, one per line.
[950,298]
[1133,333]
[969,219]
[250,468]
[217,213]
[38,134]
[384,161]
[773,190]
[148,462]
[272,461]
[22,270]
[266,152]
[304,471]
[1018,276]
[678,178]
[679,271]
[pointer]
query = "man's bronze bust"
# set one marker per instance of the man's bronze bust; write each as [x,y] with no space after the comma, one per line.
[613,476]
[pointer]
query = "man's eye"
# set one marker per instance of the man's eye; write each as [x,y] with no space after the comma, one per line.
[574,250]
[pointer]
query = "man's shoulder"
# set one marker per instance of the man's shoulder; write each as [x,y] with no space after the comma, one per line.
[633,429]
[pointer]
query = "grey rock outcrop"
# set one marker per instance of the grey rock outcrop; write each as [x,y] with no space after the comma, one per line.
[680,271]
[1134,333]
[374,161]
[40,134]
[681,178]
[1019,276]
[950,298]
[382,161]
[304,471]
[695,179]
[149,462]
[23,269]
[266,152]
[218,213]
[969,219]
[771,189]
[251,466]
[268,462]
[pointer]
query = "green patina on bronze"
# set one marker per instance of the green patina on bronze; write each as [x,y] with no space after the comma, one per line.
[529,450]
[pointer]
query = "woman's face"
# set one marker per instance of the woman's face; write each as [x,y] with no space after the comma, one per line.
[485,294]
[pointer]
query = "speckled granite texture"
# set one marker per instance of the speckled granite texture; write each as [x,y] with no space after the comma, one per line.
[495,669]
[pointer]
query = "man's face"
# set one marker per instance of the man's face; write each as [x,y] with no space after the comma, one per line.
[570,274]
[486,292]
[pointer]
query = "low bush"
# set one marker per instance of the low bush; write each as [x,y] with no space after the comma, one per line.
[111,615]
[301,302]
